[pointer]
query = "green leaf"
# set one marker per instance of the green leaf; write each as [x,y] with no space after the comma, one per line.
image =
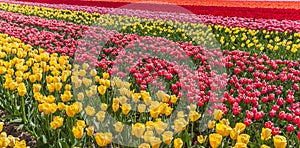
[20,127]
[18,120]
[44,139]
[63,144]
[44,146]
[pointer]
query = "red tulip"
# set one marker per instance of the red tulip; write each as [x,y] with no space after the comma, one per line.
[281,115]
[296,120]
[280,101]
[269,125]
[290,128]
[249,115]
[289,117]
[295,86]
[247,122]
[275,131]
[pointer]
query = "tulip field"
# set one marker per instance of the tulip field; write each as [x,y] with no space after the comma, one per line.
[132,74]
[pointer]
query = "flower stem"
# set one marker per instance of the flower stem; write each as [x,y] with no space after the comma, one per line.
[23,110]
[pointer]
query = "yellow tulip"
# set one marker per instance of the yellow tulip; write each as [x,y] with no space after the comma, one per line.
[155,142]
[102,89]
[103,106]
[240,145]
[160,127]
[57,122]
[78,132]
[194,116]
[243,138]
[90,130]
[180,124]
[22,89]
[100,116]
[223,129]
[149,125]
[118,127]
[144,145]
[264,146]
[80,96]
[279,141]
[225,121]
[266,134]
[240,127]
[215,140]
[148,135]
[178,143]
[138,130]
[141,108]
[174,99]
[218,114]
[103,139]
[201,139]
[90,111]
[105,75]
[234,134]
[211,124]
[167,137]
[61,106]
[1,126]
[126,108]
[80,123]
[115,105]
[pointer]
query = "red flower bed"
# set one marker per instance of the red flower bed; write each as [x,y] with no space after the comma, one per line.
[268,13]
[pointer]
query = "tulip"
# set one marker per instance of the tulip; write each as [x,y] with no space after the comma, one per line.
[144,145]
[218,114]
[180,124]
[281,115]
[138,130]
[90,111]
[148,135]
[100,116]
[1,126]
[78,132]
[194,116]
[56,123]
[264,146]
[201,139]
[211,124]
[215,140]
[155,142]
[275,131]
[243,138]
[240,145]
[126,108]
[266,134]
[279,141]
[290,128]
[90,130]
[118,127]
[103,139]
[178,143]
[234,134]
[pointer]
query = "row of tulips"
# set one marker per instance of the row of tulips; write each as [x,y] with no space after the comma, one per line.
[275,44]
[233,11]
[47,106]
[250,23]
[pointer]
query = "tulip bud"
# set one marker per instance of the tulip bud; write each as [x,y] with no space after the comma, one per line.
[281,115]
